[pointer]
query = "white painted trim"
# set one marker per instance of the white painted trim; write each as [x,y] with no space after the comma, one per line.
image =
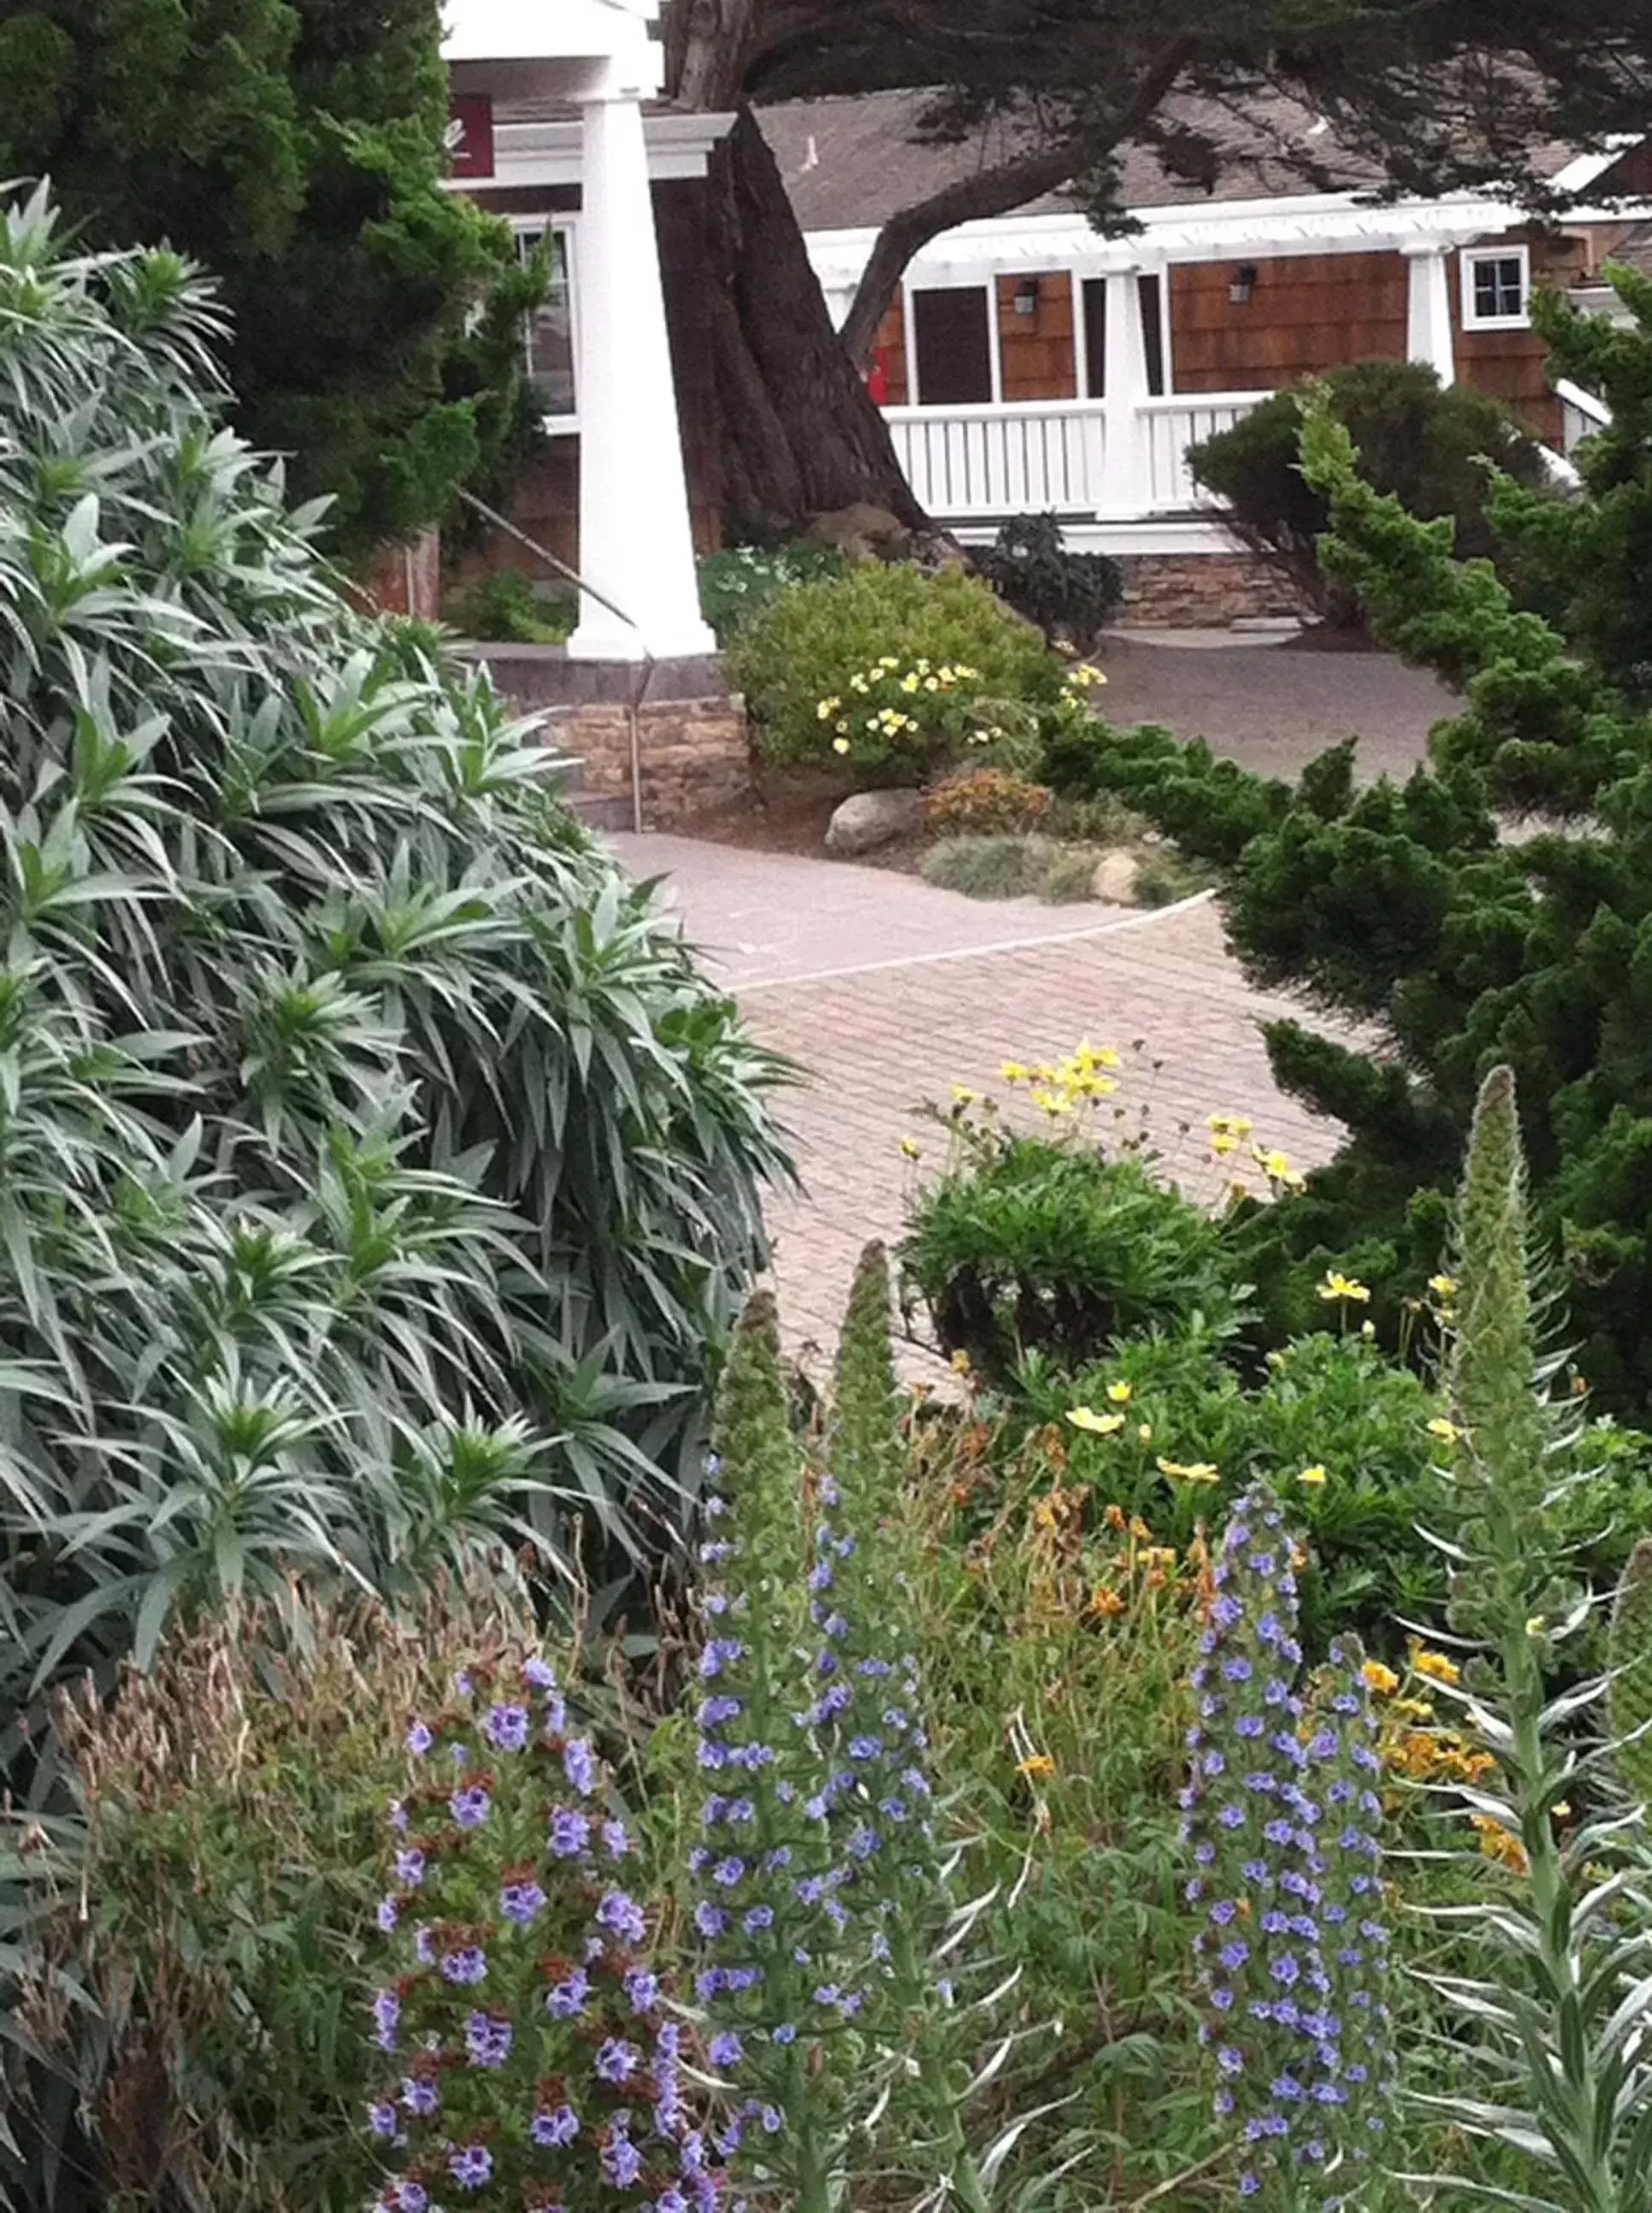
[1584,169]
[1081,336]
[1123,537]
[526,226]
[1472,321]
[1256,230]
[548,152]
[994,341]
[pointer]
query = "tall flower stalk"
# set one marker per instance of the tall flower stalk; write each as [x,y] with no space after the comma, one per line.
[1556,2028]
[766,1902]
[1291,1943]
[820,1890]
[869,1726]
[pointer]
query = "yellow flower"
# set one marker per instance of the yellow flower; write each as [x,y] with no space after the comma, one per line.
[961,1363]
[857,682]
[1443,1287]
[1436,1665]
[1098,1425]
[1536,1625]
[1144,1432]
[1314,1475]
[1224,1143]
[1379,1680]
[1339,1286]
[1229,1125]
[1085,674]
[1119,1392]
[1040,1763]
[1448,1432]
[828,708]
[962,1095]
[840,745]
[1052,1102]
[1013,1071]
[1201,1471]
[912,1150]
[909,682]
[888,660]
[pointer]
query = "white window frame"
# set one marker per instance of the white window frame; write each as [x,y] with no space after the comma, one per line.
[1470,256]
[567,225]
[918,281]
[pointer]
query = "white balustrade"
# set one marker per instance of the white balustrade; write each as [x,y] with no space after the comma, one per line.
[969,464]
[1170,427]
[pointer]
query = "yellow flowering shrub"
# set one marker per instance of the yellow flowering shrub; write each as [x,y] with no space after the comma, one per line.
[889,668]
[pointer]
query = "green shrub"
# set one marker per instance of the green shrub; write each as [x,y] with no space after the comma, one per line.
[740,581]
[1426,443]
[983,867]
[1024,1244]
[1098,819]
[1068,596]
[1066,875]
[1010,868]
[1164,876]
[866,651]
[505,605]
[378,1168]
[1400,906]
[984,801]
[236,1798]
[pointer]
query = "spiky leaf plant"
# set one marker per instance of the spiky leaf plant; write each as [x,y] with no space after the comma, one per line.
[375,1165]
[1553,2061]
[1630,1670]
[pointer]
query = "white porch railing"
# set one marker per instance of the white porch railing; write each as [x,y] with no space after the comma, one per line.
[1581,413]
[1169,427]
[966,463]
[1022,459]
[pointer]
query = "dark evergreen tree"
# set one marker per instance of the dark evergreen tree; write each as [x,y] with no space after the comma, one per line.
[295,147]
[1405,908]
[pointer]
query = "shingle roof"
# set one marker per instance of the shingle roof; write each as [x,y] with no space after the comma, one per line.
[850,163]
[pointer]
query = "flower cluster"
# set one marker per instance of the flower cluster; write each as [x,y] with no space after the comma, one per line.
[533,2056]
[894,707]
[1282,1818]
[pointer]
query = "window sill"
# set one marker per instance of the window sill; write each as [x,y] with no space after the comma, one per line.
[1470,324]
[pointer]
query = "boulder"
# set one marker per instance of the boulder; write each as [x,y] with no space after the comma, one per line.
[873,818]
[1115,877]
[863,532]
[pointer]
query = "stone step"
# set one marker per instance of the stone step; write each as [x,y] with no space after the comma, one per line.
[600,810]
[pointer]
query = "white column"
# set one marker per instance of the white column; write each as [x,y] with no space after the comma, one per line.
[635,542]
[1428,309]
[1129,474]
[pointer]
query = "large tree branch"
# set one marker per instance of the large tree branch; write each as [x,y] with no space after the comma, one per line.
[998,191]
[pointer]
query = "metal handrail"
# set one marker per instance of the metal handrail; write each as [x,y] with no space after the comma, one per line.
[634,705]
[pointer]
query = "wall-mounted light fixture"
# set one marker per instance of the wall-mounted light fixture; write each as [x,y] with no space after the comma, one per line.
[1242,285]
[1027,295]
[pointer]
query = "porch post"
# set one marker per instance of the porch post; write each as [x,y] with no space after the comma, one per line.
[1428,308]
[635,541]
[1127,467]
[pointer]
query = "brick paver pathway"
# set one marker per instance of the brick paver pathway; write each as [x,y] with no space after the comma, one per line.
[822,956]
[876,1044]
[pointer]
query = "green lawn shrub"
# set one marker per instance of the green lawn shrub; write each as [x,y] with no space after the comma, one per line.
[1428,444]
[740,582]
[889,669]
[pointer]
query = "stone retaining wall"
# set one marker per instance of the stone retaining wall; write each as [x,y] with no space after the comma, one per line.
[1201,591]
[692,741]
[695,753]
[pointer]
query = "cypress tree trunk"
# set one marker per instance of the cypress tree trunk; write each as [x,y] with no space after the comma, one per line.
[797,434]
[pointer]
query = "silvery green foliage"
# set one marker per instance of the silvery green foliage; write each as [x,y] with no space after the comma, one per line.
[1554,2061]
[375,1164]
